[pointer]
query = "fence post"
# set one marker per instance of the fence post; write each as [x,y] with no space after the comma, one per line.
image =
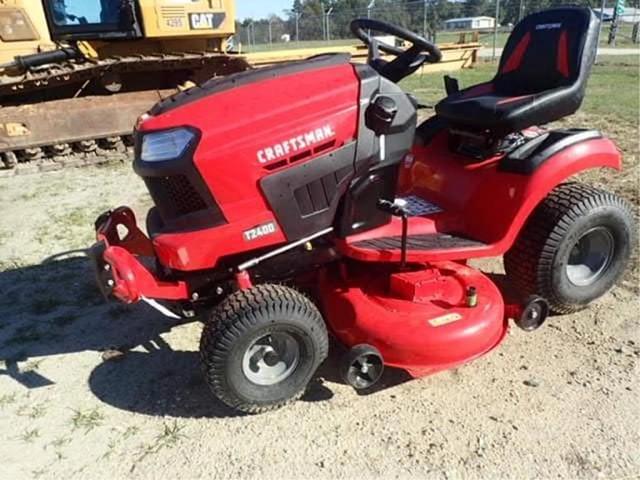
[618,9]
[495,31]
[424,19]
[370,7]
[602,5]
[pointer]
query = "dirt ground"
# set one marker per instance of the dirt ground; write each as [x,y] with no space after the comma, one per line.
[558,403]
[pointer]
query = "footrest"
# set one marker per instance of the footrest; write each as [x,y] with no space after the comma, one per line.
[434,241]
[420,248]
[417,207]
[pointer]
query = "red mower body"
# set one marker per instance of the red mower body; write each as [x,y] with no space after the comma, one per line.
[318,171]
[248,132]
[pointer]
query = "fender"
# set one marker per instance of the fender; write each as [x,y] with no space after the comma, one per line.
[486,203]
[500,207]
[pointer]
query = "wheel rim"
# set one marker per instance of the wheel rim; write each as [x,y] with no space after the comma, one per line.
[364,371]
[271,359]
[590,256]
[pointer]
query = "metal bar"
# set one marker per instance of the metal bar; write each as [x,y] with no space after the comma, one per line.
[160,308]
[255,261]
[403,246]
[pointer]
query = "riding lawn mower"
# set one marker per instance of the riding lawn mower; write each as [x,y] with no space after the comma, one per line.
[304,200]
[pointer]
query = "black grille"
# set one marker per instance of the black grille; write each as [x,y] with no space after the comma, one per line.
[175,196]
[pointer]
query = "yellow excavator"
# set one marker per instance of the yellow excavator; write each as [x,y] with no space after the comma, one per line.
[76,74]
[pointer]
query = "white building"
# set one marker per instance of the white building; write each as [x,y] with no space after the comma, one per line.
[470,23]
[630,15]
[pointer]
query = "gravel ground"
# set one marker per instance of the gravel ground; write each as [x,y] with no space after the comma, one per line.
[558,403]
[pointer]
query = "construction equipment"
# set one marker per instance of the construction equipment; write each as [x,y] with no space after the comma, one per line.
[333,188]
[75,74]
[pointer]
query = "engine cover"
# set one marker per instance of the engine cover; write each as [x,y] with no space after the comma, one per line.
[278,152]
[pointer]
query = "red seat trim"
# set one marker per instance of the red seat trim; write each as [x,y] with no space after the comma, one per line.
[515,60]
[563,54]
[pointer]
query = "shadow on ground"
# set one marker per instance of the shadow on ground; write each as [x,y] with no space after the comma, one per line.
[54,308]
[169,383]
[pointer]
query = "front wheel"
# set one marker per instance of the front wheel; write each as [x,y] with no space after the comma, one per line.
[574,247]
[261,347]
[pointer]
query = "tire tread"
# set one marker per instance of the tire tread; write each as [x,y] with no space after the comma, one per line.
[240,312]
[529,262]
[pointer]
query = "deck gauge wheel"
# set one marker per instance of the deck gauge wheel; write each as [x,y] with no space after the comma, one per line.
[534,314]
[362,367]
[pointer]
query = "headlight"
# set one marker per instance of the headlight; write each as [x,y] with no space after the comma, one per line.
[166,145]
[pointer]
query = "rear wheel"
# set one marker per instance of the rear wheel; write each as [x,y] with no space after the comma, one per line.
[574,247]
[261,347]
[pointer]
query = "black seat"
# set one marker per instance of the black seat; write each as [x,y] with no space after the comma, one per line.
[542,75]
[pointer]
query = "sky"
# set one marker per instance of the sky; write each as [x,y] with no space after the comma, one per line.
[261,8]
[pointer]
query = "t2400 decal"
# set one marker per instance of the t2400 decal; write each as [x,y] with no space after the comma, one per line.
[260,231]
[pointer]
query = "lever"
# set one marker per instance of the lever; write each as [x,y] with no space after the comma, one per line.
[398,211]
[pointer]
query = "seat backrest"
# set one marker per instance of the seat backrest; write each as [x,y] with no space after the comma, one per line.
[547,50]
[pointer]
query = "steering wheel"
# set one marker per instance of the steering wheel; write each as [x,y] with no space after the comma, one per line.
[406,61]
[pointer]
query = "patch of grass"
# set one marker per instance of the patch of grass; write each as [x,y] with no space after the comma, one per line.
[169,437]
[87,420]
[7,399]
[39,472]
[11,264]
[130,432]
[29,436]
[611,105]
[60,442]
[111,446]
[78,217]
[24,197]
[613,90]
[33,412]
[32,366]
[117,438]
[613,82]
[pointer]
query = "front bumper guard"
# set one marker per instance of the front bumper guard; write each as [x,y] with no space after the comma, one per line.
[118,261]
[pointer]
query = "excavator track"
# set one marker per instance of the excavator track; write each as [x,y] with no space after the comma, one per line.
[60,156]
[82,70]
[87,129]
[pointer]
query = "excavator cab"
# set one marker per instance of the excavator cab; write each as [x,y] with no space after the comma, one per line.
[104,63]
[92,19]
[75,20]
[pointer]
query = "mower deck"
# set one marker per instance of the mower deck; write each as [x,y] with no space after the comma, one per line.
[423,319]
